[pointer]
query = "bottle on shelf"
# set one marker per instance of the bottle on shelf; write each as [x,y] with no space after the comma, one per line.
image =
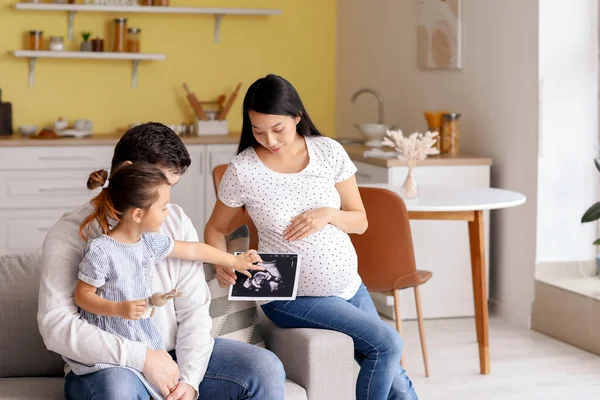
[35,40]
[133,40]
[119,34]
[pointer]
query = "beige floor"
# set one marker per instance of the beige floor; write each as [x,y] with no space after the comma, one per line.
[525,365]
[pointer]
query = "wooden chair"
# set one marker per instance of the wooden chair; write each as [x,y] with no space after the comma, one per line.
[241,217]
[386,258]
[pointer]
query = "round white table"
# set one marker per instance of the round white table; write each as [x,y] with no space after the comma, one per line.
[464,204]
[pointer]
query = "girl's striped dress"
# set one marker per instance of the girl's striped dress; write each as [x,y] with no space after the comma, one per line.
[123,272]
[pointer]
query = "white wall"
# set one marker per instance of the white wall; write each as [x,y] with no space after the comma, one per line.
[567,177]
[496,92]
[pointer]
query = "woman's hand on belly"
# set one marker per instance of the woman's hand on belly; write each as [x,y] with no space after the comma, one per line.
[308,222]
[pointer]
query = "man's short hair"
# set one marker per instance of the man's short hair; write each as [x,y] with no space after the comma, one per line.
[153,143]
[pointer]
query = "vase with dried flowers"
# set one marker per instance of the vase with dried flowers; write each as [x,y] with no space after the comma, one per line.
[413,149]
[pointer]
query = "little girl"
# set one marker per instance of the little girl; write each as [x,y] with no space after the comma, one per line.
[115,275]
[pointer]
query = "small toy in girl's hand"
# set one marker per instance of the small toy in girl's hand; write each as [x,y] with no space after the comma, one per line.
[159,299]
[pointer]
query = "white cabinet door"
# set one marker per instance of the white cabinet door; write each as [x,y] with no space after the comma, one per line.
[44,189]
[216,154]
[24,231]
[188,193]
[368,173]
[44,158]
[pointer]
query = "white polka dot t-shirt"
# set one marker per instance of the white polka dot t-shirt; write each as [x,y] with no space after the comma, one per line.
[328,259]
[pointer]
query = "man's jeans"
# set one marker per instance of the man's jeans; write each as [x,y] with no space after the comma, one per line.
[377,346]
[235,371]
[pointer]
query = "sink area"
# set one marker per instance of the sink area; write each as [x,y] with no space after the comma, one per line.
[373,132]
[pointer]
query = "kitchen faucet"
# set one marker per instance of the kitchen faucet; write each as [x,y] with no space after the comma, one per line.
[377,96]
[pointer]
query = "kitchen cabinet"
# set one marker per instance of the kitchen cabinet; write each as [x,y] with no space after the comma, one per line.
[39,183]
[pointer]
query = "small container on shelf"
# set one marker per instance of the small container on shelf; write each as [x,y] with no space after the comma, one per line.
[163,3]
[211,127]
[133,40]
[119,34]
[97,44]
[56,43]
[145,2]
[35,40]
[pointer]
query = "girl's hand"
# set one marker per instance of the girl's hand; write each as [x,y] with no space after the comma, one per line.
[245,262]
[307,223]
[132,309]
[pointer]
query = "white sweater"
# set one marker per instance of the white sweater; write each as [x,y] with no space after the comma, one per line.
[183,323]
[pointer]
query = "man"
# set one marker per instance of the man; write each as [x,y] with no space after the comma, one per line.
[196,365]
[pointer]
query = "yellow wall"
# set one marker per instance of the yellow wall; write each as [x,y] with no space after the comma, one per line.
[299,44]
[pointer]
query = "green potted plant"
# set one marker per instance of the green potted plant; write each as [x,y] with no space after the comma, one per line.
[593,214]
[86,45]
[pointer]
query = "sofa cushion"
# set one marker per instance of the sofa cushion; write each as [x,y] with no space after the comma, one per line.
[22,350]
[237,320]
[32,388]
[293,391]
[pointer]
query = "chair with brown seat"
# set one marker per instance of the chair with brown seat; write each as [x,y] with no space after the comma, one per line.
[242,216]
[386,258]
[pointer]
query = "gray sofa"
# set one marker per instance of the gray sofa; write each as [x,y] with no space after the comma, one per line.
[319,364]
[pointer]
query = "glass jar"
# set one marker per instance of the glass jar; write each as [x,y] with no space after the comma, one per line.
[163,3]
[145,2]
[35,40]
[97,44]
[450,134]
[434,124]
[119,34]
[56,43]
[133,40]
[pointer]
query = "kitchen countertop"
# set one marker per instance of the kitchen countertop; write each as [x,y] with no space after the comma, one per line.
[107,140]
[356,153]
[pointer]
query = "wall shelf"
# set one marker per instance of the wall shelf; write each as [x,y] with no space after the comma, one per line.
[218,13]
[135,58]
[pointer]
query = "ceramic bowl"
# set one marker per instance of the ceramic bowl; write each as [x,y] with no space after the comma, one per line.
[28,130]
[373,131]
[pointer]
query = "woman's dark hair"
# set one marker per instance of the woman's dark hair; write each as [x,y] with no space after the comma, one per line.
[130,186]
[152,143]
[274,95]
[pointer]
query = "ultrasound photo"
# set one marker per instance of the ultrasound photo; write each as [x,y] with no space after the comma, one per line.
[279,280]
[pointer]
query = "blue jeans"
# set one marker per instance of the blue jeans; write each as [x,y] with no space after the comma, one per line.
[236,370]
[377,346]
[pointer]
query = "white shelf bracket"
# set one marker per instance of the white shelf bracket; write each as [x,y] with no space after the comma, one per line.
[134,74]
[32,71]
[218,18]
[70,24]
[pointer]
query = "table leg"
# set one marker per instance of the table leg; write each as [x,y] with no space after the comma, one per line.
[477,245]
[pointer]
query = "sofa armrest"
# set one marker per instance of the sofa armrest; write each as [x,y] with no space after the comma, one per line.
[321,361]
